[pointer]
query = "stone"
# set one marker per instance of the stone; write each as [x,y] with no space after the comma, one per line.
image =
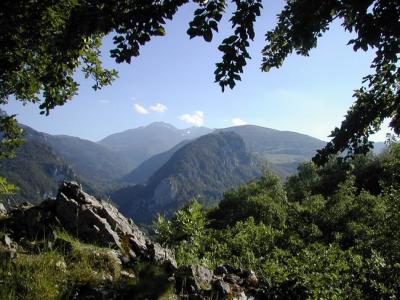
[88,219]
[226,282]
[98,292]
[193,279]
[7,255]
[252,279]
[220,270]
[127,275]
[3,210]
[222,289]
[232,278]
[7,241]
[101,223]
[232,270]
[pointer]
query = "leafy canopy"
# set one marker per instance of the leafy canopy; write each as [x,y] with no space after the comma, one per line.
[43,43]
[323,235]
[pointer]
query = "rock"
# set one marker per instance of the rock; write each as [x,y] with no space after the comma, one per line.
[232,270]
[3,210]
[7,241]
[101,223]
[127,275]
[233,279]
[193,280]
[88,219]
[8,250]
[28,221]
[7,255]
[222,289]
[220,270]
[226,282]
[252,279]
[98,292]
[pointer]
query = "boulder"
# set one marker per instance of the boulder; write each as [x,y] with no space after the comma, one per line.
[89,219]
[101,223]
[3,210]
[225,282]
[222,289]
[193,280]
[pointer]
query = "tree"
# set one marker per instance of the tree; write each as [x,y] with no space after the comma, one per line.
[6,189]
[43,42]
[376,24]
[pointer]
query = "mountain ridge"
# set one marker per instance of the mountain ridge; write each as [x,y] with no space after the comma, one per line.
[203,169]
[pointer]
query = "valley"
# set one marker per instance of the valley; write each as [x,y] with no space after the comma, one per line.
[156,168]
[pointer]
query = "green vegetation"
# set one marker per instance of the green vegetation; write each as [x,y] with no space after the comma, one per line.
[36,170]
[6,189]
[201,169]
[39,272]
[329,232]
[52,274]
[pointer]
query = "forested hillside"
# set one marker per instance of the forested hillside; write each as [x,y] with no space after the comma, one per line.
[36,170]
[329,232]
[284,149]
[202,169]
[90,160]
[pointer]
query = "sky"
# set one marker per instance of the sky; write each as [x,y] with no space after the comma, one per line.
[173,81]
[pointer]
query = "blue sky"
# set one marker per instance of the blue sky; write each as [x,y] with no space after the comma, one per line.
[172,81]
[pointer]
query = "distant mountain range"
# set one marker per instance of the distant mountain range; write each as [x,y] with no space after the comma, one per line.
[139,144]
[37,170]
[202,169]
[90,160]
[156,168]
[47,159]
[284,149]
[149,156]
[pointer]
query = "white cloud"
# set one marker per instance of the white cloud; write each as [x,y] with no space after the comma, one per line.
[197,118]
[158,107]
[238,122]
[140,109]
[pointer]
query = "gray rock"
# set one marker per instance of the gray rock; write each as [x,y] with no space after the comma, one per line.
[7,241]
[220,270]
[222,288]
[87,219]
[101,223]
[3,210]
[193,280]
[252,279]
[226,282]
[127,275]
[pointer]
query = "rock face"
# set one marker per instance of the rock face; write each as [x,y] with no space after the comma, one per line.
[100,223]
[3,209]
[225,282]
[90,220]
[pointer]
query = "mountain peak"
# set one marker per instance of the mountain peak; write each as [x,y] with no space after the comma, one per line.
[161,124]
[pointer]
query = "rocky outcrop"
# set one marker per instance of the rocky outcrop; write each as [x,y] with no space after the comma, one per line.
[100,223]
[3,209]
[225,282]
[90,220]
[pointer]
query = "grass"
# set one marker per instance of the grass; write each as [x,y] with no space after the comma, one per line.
[52,274]
[59,273]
